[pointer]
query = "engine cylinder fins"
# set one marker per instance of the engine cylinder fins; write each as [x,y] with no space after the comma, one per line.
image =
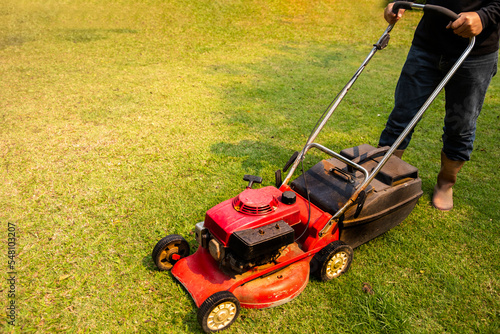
[252,202]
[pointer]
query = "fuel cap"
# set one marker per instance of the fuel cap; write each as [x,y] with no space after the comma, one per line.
[288,197]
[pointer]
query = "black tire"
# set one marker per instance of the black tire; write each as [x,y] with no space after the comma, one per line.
[332,261]
[165,250]
[218,311]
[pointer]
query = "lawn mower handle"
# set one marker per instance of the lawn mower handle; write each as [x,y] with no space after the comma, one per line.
[332,107]
[426,8]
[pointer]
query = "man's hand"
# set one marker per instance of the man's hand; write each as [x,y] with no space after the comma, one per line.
[390,17]
[467,25]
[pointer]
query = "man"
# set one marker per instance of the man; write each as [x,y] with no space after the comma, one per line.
[436,45]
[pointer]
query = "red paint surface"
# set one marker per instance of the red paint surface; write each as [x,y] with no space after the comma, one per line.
[223,219]
[257,288]
[275,289]
[268,285]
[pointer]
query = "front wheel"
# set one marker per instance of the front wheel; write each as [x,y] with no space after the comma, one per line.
[333,260]
[169,250]
[218,311]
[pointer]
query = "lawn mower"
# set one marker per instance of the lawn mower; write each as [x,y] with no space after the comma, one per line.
[258,249]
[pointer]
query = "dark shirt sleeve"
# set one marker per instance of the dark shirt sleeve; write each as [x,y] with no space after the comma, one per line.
[490,14]
[432,35]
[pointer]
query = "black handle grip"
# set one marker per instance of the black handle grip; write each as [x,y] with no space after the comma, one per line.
[426,8]
[442,11]
[401,5]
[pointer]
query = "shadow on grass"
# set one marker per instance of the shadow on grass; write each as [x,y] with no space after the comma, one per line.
[13,40]
[91,35]
[278,100]
[259,155]
[283,96]
[148,263]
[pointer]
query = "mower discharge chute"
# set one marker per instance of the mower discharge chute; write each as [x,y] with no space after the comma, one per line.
[259,248]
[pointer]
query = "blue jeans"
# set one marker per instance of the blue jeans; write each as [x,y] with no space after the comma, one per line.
[464,96]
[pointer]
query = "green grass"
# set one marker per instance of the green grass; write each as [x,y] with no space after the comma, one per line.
[121,122]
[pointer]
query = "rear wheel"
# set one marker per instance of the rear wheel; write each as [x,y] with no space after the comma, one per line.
[169,250]
[333,260]
[218,311]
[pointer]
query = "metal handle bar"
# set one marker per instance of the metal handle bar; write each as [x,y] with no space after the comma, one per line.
[403,135]
[382,42]
[350,163]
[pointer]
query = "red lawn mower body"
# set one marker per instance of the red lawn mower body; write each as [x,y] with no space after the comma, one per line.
[268,284]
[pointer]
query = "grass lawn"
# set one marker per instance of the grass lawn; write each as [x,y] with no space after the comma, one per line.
[122,122]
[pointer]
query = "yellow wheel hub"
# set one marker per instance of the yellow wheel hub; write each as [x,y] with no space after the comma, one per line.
[221,315]
[336,264]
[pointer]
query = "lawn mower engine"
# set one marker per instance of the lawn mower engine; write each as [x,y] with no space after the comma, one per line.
[252,229]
